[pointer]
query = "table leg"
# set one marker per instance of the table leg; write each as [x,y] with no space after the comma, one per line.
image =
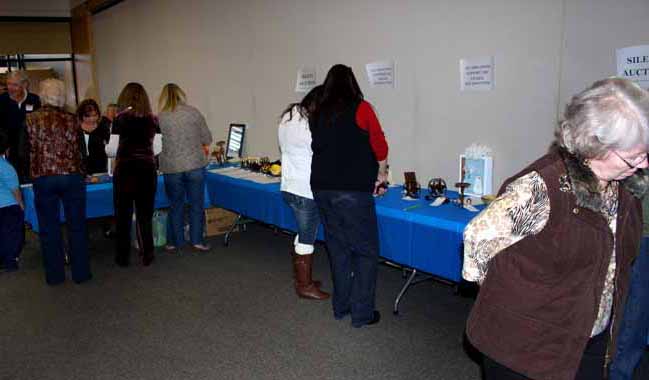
[240,223]
[395,311]
[226,238]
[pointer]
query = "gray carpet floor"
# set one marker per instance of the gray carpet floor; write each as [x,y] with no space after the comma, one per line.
[230,313]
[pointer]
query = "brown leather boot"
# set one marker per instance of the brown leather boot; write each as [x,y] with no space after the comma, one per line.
[304,287]
[317,283]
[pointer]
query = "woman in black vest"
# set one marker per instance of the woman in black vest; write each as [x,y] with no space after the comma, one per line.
[349,163]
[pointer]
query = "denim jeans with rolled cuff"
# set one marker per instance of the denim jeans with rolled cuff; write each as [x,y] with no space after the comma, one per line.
[307,217]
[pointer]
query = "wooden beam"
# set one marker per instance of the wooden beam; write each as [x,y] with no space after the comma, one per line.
[96,6]
[81,30]
[33,19]
[83,51]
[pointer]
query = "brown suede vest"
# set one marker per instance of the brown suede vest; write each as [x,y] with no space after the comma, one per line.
[537,306]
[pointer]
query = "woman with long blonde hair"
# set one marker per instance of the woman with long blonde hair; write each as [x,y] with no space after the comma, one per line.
[183,163]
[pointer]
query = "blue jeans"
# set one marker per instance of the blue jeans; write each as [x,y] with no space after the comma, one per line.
[188,185]
[49,192]
[632,337]
[351,234]
[306,215]
[12,225]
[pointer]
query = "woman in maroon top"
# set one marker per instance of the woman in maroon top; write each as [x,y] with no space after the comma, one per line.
[135,177]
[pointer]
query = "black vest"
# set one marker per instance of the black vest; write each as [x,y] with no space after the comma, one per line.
[12,120]
[342,155]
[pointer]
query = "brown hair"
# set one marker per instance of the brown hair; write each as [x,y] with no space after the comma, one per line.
[134,96]
[171,97]
[85,107]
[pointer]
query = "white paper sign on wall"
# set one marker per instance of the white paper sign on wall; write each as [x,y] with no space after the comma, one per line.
[633,64]
[477,74]
[381,74]
[306,79]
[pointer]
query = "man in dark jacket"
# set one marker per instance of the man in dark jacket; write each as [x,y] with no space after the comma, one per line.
[14,105]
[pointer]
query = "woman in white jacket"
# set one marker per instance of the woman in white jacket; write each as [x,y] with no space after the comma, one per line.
[295,144]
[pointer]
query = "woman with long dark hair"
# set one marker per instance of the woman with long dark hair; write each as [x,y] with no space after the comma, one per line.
[349,163]
[295,144]
[135,178]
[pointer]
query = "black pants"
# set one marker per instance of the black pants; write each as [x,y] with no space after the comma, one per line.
[134,185]
[12,232]
[353,245]
[591,366]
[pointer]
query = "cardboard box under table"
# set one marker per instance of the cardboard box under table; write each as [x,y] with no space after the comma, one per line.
[218,221]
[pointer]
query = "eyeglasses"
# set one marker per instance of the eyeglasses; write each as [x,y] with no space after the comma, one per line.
[631,165]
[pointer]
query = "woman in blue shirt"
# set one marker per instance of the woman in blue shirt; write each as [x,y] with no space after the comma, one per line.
[12,217]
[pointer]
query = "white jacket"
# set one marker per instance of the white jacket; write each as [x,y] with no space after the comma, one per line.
[295,144]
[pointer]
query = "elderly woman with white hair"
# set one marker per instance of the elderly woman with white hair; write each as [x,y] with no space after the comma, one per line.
[553,252]
[55,167]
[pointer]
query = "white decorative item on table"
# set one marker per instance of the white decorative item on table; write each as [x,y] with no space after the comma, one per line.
[476,168]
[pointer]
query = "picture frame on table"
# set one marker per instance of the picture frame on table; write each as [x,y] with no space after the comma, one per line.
[478,172]
[234,146]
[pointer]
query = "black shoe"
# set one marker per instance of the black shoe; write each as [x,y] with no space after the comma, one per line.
[79,282]
[376,317]
[339,316]
[147,260]
[121,261]
[8,268]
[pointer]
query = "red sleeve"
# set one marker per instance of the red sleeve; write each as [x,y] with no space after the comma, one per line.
[367,120]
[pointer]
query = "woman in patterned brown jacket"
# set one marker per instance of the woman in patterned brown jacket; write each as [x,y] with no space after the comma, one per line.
[55,167]
[552,253]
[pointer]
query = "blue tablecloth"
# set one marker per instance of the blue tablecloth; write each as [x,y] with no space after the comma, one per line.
[99,201]
[426,238]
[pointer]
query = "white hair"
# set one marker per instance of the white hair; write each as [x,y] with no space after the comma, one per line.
[20,75]
[611,114]
[52,92]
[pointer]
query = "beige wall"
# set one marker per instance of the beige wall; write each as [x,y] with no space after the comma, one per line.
[238,62]
[595,29]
